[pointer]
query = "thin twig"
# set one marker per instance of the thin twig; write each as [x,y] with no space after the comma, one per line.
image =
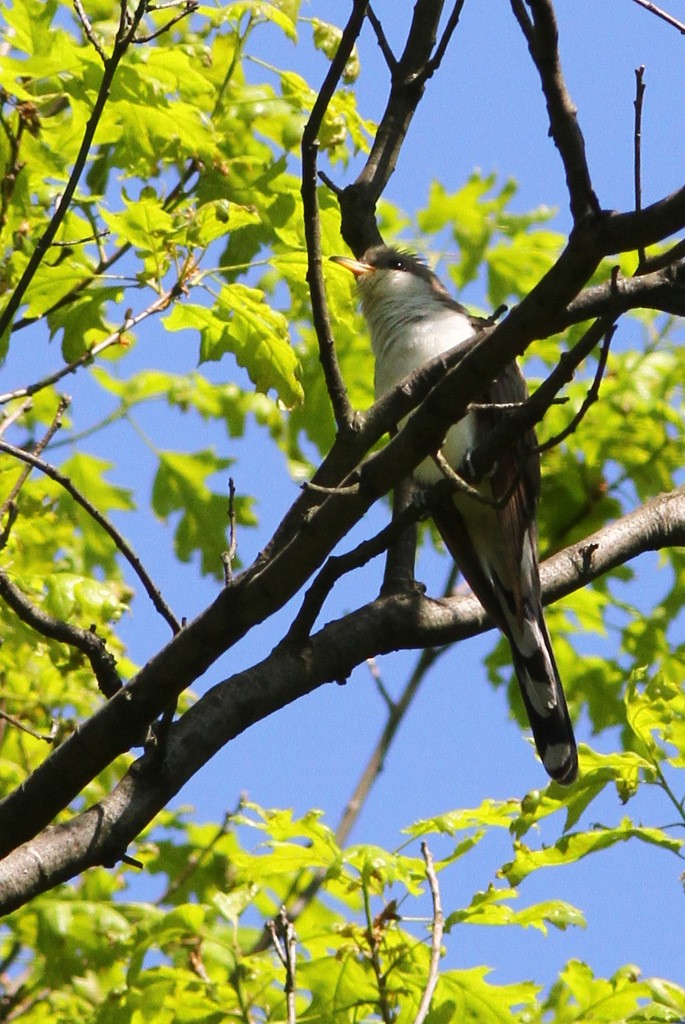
[338,565]
[396,715]
[18,724]
[228,556]
[457,481]
[381,39]
[349,489]
[89,32]
[335,385]
[284,942]
[639,96]
[662,14]
[436,60]
[85,640]
[516,423]
[591,397]
[96,236]
[190,7]
[8,418]
[120,542]
[436,941]
[106,262]
[13,165]
[195,861]
[374,935]
[38,450]
[660,260]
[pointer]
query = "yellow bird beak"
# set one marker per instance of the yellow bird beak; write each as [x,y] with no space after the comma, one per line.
[356,267]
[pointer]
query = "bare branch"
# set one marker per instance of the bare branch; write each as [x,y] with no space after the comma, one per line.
[591,397]
[381,38]
[662,14]
[88,30]
[396,714]
[161,303]
[338,565]
[542,38]
[106,262]
[120,542]
[637,144]
[436,60]
[398,575]
[284,941]
[662,288]
[189,7]
[228,555]
[18,724]
[84,640]
[8,418]
[436,941]
[358,201]
[342,410]
[663,259]
[39,448]
[623,232]
[515,423]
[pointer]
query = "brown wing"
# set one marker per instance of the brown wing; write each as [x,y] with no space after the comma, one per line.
[517,472]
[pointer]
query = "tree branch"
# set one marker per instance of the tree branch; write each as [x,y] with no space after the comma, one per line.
[653,9]
[85,640]
[119,540]
[542,38]
[409,75]
[436,939]
[662,289]
[342,410]
[637,146]
[100,834]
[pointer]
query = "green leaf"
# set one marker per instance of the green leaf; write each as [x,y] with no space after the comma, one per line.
[490,813]
[87,473]
[79,599]
[145,224]
[577,845]
[327,39]
[489,908]
[466,996]
[242,323]
[658,707]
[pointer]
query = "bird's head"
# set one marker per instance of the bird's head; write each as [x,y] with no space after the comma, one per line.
[385,273]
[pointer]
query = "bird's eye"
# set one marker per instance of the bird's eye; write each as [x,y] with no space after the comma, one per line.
[398,264]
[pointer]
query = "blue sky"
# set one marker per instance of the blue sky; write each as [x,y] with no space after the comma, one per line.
[483,110]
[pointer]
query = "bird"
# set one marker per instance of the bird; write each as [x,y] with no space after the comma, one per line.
[412,318]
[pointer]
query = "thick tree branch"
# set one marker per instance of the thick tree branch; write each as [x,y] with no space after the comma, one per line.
[100,834]
[662,290]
